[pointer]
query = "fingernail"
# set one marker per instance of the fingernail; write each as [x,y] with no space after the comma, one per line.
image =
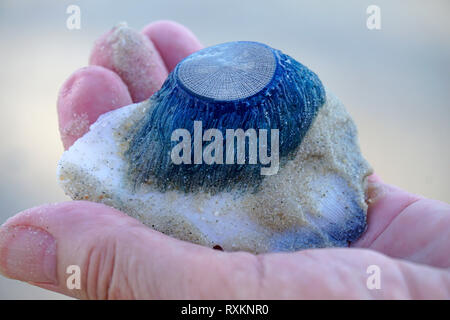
[28,254]
[375,191]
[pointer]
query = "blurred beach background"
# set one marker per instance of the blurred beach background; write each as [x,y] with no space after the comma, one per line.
[395,81]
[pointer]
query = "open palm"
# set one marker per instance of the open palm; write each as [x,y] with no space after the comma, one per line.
[408,237]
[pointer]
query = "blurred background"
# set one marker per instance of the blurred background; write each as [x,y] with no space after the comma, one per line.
[395,81]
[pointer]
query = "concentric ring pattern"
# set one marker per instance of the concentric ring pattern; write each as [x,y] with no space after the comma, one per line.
[228,72]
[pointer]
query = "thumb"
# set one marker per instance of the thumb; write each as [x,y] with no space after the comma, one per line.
[114,256]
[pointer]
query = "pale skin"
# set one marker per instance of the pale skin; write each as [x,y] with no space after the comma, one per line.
[408,236]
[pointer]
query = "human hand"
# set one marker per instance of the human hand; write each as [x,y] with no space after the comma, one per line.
[408,237]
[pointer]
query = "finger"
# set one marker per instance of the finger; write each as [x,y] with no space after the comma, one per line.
[118,257]
[407,226]
[133,57]
[173,41]
[88,93]
[349,274]
[385,203]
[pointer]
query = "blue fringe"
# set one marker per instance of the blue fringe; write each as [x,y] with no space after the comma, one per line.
[289,103]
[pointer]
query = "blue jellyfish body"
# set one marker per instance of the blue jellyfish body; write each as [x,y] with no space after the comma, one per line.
[236,85]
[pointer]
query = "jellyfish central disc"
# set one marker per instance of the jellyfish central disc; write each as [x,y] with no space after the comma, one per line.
[229,71]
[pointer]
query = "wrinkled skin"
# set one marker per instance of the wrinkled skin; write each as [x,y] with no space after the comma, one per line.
[408,236]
